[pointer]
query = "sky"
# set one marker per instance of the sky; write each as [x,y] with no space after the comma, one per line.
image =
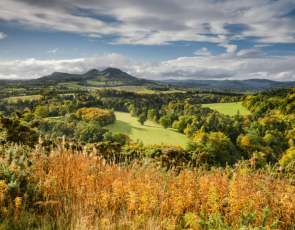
[154,39]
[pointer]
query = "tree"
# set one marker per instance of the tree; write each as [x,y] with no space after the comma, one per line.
[121,138]
[29,117]
[70,108]
[62,112]
[41,111]
[180,125]
[73,117]
[112,112]
[107,137]
[141,119]
[165,122]
[151,114]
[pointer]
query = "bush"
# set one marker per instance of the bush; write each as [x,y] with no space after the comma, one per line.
[289,157]
[15,167]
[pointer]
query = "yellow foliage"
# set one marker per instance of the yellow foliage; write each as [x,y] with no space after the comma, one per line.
[289,157]
[101,115]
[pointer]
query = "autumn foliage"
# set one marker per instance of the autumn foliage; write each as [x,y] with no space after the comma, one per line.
[103,116]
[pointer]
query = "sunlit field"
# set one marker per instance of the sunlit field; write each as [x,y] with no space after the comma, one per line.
[228,108]
[149,133]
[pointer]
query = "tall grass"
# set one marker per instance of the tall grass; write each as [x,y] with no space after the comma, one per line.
[81,191]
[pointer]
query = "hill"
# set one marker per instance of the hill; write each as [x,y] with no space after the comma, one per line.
[109,74]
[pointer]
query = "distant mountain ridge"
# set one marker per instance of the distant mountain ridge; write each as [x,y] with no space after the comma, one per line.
[257,84]
[122,78]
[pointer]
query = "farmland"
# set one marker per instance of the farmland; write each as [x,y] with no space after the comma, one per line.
[96,82]
[31,97]
[149,133]
[228,108]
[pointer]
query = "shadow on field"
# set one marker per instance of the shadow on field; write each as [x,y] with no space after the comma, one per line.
[124,127]
[152,127]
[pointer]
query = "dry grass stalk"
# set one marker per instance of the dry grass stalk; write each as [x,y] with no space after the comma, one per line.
[109,195]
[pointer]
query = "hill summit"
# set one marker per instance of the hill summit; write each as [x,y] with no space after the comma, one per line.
[108,75]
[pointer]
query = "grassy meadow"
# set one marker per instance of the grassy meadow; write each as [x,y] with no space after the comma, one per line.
[71,84]
[75,86]
[31,97]
[149,133]
[228,108]
[141,89]
[96,82]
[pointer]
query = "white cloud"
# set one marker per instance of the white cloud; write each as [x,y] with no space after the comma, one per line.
[250,53]
[158,22]
[263,45]
[53,51]
[94,36]
[2,35]
[202,52]
[230,48]
[243,65]
[246,64]
[154,63]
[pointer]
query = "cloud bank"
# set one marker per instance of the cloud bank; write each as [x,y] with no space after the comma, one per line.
[246,64]
[158,22]
[161,22]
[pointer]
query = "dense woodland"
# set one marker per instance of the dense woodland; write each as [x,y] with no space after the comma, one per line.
[233,151]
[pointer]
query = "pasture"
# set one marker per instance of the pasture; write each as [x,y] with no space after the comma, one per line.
[30,97]
[228,108]
[71,84]
[96,82]
[131,88]
[74,85]
[149,133]
[141,89]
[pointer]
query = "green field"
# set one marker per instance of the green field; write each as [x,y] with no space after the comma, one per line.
[174,91]
[31,97]
[246,93]
[149,133]
[71,84]
[17,89]
[74,85]
[141,89]
[228,108]
[96,82]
